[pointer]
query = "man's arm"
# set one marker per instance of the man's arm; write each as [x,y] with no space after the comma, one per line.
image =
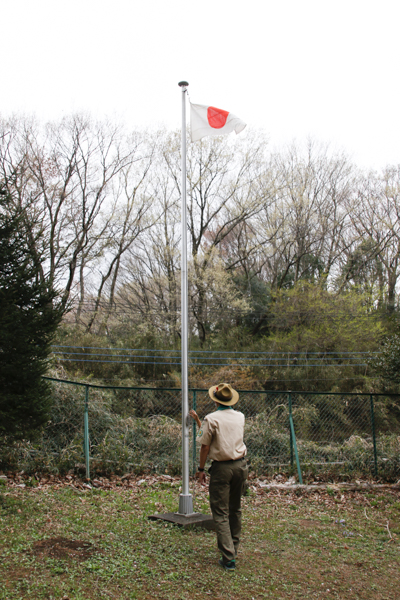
[204,450]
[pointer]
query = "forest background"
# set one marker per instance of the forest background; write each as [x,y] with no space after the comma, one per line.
[293,255]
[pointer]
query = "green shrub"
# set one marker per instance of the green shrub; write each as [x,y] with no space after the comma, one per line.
[129,432]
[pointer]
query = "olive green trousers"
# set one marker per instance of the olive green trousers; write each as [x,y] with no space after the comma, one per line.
[226,484]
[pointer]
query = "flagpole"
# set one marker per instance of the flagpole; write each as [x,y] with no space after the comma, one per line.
[185,498]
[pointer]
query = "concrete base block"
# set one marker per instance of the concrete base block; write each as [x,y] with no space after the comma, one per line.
[193,520]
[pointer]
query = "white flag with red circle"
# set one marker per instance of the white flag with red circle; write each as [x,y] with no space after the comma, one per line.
[208,120]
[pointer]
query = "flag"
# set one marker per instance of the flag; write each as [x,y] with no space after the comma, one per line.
[208,120]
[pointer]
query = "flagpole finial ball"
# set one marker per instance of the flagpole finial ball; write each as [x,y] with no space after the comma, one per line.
[183,84]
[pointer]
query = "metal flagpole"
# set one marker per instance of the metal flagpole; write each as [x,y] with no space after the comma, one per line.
[185,517]
[185,498]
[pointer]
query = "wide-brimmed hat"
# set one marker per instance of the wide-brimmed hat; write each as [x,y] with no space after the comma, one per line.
[224,394]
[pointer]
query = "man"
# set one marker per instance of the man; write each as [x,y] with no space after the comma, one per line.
[221,437]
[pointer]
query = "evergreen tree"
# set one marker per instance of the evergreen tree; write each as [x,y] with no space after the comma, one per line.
[28,320]
[387,362]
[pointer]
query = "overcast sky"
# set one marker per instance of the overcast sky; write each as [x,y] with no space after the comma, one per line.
[291,67]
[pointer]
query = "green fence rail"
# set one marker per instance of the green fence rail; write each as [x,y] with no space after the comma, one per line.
[107,429]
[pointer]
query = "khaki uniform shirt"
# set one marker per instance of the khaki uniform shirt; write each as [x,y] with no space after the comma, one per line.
[223,431]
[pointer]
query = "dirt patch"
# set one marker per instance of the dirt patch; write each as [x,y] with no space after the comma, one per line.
[63,548]
[310,523]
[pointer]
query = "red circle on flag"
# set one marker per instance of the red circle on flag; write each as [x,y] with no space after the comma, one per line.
[216,117]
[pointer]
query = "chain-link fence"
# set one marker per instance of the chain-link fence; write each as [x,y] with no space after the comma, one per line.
[106,429]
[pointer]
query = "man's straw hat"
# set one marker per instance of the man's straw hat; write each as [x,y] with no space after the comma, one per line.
[224,394]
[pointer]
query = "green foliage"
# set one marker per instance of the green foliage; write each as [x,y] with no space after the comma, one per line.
[306,319]
[311,329]
[28,320]
[363,270]
[309,317]
[387,362]
[258,294]
[94,360]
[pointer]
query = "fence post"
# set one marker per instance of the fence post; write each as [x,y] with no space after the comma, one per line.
[86,432]
[293,442]
[290,429]
[194,434]
[373,434]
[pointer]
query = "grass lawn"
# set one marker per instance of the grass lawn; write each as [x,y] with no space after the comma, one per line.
[60,540]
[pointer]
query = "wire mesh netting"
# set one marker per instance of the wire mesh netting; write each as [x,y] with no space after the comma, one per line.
[146,432]
[334,431]
[346,433]
[139,429]
[60,445]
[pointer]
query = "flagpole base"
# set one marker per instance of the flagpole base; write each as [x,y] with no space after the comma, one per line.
[185,504]
[197,520]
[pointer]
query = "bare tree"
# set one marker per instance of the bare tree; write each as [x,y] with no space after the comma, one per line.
[374,258]
[150,285]
[304,228]
[129,214]
[70,178]
[310,214]
[223,186]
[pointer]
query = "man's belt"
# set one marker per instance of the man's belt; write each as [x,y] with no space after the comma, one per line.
[229,461]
